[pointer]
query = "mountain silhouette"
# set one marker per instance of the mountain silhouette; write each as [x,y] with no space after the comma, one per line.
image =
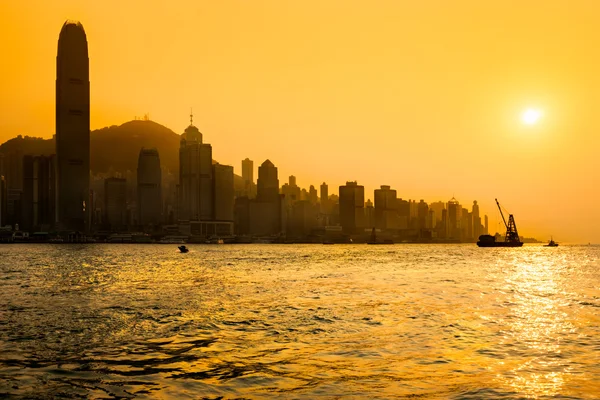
[114,148]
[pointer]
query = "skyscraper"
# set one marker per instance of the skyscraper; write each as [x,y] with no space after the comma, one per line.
[386,208]
[248,170]
[476,220]
[195,177]
[248,178]
[149,189]
[352,207]
[72,127]
[268,183]
[223,190]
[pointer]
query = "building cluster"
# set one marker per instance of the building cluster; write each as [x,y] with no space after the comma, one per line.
[57,196]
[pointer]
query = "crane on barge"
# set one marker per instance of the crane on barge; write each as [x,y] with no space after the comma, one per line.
[512,235]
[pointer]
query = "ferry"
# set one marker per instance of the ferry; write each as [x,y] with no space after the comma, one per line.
[551,243]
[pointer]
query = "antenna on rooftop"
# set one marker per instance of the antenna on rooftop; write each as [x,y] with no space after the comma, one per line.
[191,117]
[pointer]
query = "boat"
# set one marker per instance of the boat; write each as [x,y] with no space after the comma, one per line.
[512,236]
[551,243]
[183,249]
[327,242]
[374,240]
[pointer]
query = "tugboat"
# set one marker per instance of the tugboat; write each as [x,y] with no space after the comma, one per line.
[551,243]
[512,236]
[183,249]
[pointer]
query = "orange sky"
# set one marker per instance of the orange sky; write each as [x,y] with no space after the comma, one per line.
[425,96]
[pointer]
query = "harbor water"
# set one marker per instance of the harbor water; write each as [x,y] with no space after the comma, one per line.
[299,321]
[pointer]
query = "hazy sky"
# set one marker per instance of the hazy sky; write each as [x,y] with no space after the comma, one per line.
[425,96]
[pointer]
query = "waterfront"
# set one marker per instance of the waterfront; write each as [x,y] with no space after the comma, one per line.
[299,321]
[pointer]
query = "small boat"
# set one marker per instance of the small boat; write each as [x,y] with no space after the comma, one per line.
[551,243]
[183,249]
[512,236]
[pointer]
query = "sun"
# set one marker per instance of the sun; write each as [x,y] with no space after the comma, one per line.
[531,116]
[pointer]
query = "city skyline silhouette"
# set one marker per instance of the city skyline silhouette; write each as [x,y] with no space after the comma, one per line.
[420,148]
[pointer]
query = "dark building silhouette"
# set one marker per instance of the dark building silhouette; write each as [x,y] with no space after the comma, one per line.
[115,203]
[267,212]
[386,208]
[195,177]
[453,221]
[477,227]
[248,178]
[223,190]
[38,199]
[149,189]
[352,208]
[72,127]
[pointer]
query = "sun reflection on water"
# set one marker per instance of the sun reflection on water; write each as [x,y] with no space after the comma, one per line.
[535,324]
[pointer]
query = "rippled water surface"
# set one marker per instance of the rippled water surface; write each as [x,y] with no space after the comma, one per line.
[299,321]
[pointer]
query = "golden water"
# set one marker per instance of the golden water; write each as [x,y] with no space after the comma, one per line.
[299,321]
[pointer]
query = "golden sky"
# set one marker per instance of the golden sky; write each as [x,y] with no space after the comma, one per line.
[425,96]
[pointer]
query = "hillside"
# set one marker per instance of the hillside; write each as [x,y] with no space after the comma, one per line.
[115,147]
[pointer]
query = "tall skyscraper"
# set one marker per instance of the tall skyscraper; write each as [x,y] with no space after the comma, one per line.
[248,178]
[248,170]
[266,213]
[73,127]
[453,224]
[352,207]
[195,177]
[268,183]
[149,188]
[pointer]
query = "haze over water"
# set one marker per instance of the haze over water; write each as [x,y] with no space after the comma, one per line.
[301,321]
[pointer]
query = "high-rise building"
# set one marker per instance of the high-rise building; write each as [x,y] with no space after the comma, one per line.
[477,228]
[149,188]
[248,178]
[248,170]
[72,127]
[115,203]
[267,212]
[223,190]
[386,208]
[38,201]
[453,224]
[422,214]
[312,195]
[195,177]
[268,183]
[352,204]
[324,199]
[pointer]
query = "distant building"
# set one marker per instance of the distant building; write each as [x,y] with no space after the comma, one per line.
[266,213]
[195,177]
[352,213]
[486,230]
[324,199]
[386,208]
[453,223]
[115,203]
[223,190]
[369,214]
[477,228]
[73,127]
[312,195]
[149,188]
[248,178]
[38,200]
[422,214]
